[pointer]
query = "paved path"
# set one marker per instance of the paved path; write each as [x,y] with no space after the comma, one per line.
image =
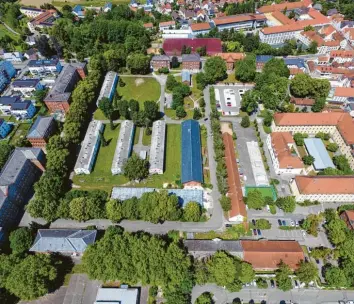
[274,296]
[10,29]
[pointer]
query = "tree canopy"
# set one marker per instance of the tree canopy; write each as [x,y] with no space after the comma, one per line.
[21,240]
[136,168]
[245,69]
[214,69]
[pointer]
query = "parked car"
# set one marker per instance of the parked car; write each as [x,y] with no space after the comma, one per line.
[205,119]
[228,225]
[254,231]
[268,208]
[228,104]
[296,284]
[297,223]
[280,222]
[292,223]
[304,233]
[259,232]
[228,98]
[254,222]
[272,283]
[284,223]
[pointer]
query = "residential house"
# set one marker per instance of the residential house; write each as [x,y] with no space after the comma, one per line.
[238,211]
[5,128]
[191,62]
[64,241]
[342,56]
[160,61]
[192,168]
[31,12]
[285,158]
[22,169]
[26,86]
[78,11]
[13,56]
[44,20]
[302,102]
[14,105]
[41,130]
[167,25]
[7,71]
[148,26]
[231,58]
[348,217]
[323,188]
[38,67]
[342,95]
[89,148]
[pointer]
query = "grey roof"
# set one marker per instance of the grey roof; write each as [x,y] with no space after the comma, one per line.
[63,240]
[108,86]
[160,58]
[40,127]
[39,63]
[59,91]
[87,152]
[157,149]
[316,148]
[186,76]
[25,83]
[15,164]
[190,57]
[124,146]
[184,195]
[117,296]
[213,245]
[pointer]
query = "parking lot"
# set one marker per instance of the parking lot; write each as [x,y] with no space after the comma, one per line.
[228,98]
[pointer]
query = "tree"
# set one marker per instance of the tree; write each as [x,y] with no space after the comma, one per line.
[310,224]
[336,231]
[115,59]
[205,298]
[255,199]
[78,209]
[308,160]
[138,63]
[197,114]
[105,106]
[136,168]
[282,277]
[180,112]
[171,82]
[192,212]
[332,147]
[32,277]
[214,69]
[245,122]
[20,240]
[5,151]
[346,249]
[225,203]
[133,105]
[287,203]
[336,277]
[151,109]
[342,163]
[43,46]
[174,62]
[318,105]
[320,253]
[263,224]
[307,272]
[313,48]
[300,85]
[123,108]
[299,139]
[245,69]
[276,66]
[39,95]
[249,102]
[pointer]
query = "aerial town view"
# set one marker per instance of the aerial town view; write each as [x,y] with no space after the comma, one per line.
[176,152]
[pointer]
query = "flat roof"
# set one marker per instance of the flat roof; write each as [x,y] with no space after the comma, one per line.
[124,146]
[259,172]
[109,83]
[117,296]
[157,149]
[317,149]
[184,195]
[86,155]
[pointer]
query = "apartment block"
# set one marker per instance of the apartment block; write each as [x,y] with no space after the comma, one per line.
[157,149]
[40,131]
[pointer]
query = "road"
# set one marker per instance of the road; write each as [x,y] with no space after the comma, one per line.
[10,29]
[274,296]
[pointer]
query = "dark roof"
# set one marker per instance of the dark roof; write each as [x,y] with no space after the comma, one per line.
[23,105]
[63,240]
[38,63]
[25,83]
[263,58]
[15,102]
[160,58]
[40,127]
[191,152]
[8,100]
[190,57]
[213,245]
[174,46]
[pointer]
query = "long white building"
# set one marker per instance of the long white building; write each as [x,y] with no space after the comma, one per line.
[108,87]
[89,148]
[124,146]
[157,150]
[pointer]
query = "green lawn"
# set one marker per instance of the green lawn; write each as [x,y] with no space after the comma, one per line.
[172,113]
[4,31]
[172,159]
[20,132]
[266,191]
[230,78]
[136,135]
[98,115]
[9,118]
[101,176]
[231,233]
[146,139]
[148,89]
[196,93]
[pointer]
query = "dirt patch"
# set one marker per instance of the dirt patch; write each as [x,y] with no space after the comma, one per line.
[225,128]
[139,81]
[36,3]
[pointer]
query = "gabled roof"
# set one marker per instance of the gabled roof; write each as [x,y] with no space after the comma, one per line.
[192,169]
[285,5]
[231,57]
[200,26]
[239,18]
[63,240]
[40,127]
[25,83]
[322,184]
[344,92]
[191,57]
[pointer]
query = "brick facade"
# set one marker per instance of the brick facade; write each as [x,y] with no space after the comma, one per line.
[157,64]
[54,106]
[191,65]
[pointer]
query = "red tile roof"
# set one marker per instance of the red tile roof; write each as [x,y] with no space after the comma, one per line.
[343,122]
[167,23]
[200,26]
[321,184]
[282,18]
[265,254]
[238,207]
[302,101]
[238,18]
[342,54]
[281,6]
[148,25]
[295,71]
[174,46]
[231,57]
[344,92]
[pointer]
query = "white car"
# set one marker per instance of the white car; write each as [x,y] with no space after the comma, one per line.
[268,208]
[292,223]
[304,234]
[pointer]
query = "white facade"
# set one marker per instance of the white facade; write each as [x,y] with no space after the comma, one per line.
[31,12]
[124,146]
[174,34]
[277,38]
[157,150]
[13,57]
[89,148]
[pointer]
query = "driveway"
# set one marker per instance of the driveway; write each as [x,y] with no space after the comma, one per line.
[81,290]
